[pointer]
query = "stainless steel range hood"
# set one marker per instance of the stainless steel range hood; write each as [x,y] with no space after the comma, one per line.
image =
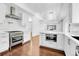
[13,17]
[12,14]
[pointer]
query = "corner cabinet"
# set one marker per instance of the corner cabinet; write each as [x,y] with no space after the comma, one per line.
[4,41]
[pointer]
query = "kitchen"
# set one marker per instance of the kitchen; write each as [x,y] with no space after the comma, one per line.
[55,25]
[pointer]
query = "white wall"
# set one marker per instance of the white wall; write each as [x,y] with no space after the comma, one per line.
[35,26]
[26,27]
[25,8]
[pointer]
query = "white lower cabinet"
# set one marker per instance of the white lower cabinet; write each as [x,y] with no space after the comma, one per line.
[72,48]
[55,43]
[66,46]
[69,47]
[42,39]
[4,41]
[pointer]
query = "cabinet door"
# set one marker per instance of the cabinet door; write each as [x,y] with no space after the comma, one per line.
[72,48]
[67,46]
[42,38]
[4,41]
[2,12]
[75,13]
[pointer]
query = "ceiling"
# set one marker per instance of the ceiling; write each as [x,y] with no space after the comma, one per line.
[43,8]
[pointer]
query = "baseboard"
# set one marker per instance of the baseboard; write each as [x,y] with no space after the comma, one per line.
[2,53]
[52,49]
[26,42]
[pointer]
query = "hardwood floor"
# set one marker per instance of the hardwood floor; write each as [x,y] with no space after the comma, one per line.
[45,51]
[32,48]
[35,46]
[20,50]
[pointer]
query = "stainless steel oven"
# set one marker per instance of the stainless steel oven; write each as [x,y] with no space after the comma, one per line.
[15,37]
[51,37]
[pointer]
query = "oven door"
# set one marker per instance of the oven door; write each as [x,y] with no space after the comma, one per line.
[52,37]
[17,39]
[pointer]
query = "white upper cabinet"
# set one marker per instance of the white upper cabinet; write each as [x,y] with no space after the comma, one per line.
[2,12]
[75,12]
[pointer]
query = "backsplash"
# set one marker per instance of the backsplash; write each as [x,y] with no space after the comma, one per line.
[58,27]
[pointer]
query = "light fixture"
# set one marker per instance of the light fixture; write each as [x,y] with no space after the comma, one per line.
[51,15]
[30,19]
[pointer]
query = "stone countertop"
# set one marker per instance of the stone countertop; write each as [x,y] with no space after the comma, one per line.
[64,33]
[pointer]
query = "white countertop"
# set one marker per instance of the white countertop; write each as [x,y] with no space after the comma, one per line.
[52,32]
[70,36]
[64,33]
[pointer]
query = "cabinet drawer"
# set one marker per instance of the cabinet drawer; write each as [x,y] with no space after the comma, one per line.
[4,48]
[4,39]
[4,45]
[4,42]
